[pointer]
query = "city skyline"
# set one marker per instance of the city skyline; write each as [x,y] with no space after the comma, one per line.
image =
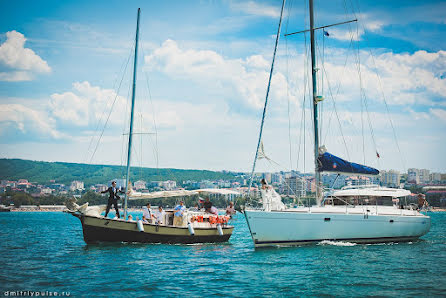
[206,65]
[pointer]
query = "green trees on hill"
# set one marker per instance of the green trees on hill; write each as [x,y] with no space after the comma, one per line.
[63,172]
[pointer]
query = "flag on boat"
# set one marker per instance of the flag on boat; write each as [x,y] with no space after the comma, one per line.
[330,163]
[326,33]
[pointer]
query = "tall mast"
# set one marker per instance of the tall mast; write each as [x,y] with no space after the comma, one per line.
[315,101]
[129,152]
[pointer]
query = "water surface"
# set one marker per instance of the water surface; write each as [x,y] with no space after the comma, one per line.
[46,252]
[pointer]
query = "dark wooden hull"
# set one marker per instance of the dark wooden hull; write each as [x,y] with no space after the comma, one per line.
[98,234]
[108,230]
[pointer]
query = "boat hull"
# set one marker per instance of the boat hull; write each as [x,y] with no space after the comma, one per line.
[96,229]
[297,228]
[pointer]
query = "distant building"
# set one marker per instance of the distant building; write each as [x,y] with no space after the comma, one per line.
[413,176]
[77,185]
[276,178]
[100,187]
[295,186]
[357,181]
[390,178]
[334,181]
[310,184]
[435,177]
[208,184]
[46,191]
[140,184]
[169,185]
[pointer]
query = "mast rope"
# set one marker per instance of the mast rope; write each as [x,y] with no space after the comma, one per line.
[266,97]
[124,64]
[109,114]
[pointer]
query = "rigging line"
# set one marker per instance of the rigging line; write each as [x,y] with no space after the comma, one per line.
[123,142]
[153,113]
[336,112]
[288,85]
[106,122]
[266,97]
[124,64]
[339,84]
[358,61]
[364,102]
[383,95]
[288,106]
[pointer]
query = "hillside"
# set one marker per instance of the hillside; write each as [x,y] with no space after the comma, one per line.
[63,172]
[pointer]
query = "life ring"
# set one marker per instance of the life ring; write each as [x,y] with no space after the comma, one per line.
[192,219]
[200,218]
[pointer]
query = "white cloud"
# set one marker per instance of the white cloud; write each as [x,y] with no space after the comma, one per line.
[257,9]
[27,121]
[240,81]
[22,61]
[86,105]
[439,113]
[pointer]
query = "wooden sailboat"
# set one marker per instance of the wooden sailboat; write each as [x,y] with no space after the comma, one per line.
[196,227]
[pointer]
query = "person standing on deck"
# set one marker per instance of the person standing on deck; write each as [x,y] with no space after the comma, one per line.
[147,213]
[178,216]
[113,198]
[159,216]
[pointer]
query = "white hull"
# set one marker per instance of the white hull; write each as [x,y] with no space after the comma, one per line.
[304,225]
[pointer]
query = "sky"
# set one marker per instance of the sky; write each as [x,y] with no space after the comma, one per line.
[203,66]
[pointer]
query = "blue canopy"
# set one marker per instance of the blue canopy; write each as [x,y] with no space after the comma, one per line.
[329,163]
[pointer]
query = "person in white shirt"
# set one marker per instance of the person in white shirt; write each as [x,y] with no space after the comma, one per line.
[160,215]
[147,213]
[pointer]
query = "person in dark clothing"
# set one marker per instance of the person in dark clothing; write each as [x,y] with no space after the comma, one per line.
[207,205]
[113,198]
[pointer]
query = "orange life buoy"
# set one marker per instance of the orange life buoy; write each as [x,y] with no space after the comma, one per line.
[200,218]
[212,220]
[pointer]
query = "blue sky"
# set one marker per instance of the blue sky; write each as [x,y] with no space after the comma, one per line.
[203,72]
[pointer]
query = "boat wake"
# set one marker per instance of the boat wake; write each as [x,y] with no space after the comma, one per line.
[336,243]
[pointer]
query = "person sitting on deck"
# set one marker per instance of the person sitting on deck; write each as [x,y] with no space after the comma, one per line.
[178,215]
[130,217]
[147,213]
[230,210]
[195,208]
[422,201]
[208,207]
[160,215]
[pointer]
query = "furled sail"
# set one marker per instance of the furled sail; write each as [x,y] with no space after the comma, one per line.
[133,195]
[329,163]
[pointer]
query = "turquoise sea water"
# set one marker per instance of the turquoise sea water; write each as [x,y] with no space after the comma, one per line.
[46,252]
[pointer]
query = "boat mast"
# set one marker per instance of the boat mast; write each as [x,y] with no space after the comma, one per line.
[129,152]
[315,101]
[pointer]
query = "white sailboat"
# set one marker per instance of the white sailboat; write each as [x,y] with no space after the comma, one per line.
[361,215]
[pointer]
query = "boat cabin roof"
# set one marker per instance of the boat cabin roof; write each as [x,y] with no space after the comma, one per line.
[375,191]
